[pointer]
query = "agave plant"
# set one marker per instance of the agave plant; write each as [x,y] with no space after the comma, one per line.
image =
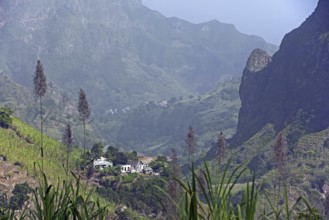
[217,198]
[65,201]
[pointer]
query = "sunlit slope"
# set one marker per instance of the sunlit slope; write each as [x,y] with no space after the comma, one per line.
[22,144]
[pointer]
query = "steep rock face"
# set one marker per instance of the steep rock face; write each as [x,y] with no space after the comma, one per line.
[292,85]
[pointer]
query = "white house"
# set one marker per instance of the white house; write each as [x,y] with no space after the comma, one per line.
[148,170]
[126,168]
[136,166]
[140,166]
[102,163]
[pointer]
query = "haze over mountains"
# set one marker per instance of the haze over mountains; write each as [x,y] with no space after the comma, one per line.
[149,77]
[120,52]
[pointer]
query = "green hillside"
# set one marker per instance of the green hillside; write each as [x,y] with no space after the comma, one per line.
[57,105]
[22,144]
[151,127]
[155,127]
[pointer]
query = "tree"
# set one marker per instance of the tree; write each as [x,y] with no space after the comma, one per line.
[159,164]
[90,171]
[84,113]
[5,117]
[111,152]
[221,147]
[67,140]
[97,150]
[132,155]
[190,144]
[173,188]
[280,151]
[120,158]
[40,88]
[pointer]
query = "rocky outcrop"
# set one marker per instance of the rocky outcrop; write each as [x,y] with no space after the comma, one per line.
[10,175]
[293,85]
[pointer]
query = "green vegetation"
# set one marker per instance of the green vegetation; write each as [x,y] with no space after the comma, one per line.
[84,113]
[116,156]
[205,200]
[54,202]
[137,192]
[19,196]
[146,128]
[300,163]
[56,186]
[150,127]
[26,140]
[40,88]
[160,165]
[5,117]
[134,190]
[56,103]
[65,201]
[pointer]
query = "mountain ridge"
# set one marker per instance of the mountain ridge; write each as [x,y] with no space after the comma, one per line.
[292,84]
[120,52]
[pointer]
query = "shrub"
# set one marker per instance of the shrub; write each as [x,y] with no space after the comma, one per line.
[129,178]
[326,143]
[19,196]
[20,164]
[5,117]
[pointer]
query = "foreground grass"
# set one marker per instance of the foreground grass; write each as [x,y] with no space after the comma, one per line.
[204,200]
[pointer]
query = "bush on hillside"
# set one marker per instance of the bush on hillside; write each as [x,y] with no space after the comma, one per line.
[5,117]
[19,196]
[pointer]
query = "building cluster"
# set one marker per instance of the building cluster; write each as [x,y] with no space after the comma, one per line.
[133,166]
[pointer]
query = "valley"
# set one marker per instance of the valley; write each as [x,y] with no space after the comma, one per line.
[181,121]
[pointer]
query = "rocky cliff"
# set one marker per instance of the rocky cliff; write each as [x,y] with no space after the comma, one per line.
[293,85]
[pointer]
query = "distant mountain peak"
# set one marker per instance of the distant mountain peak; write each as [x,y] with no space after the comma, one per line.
[132,4]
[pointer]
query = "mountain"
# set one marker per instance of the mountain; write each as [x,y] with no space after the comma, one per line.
[120,52]
[291,86]
[286,94]
[115,47]
[160,126]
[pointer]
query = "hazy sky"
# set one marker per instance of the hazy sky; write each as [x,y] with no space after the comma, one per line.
[270,19]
